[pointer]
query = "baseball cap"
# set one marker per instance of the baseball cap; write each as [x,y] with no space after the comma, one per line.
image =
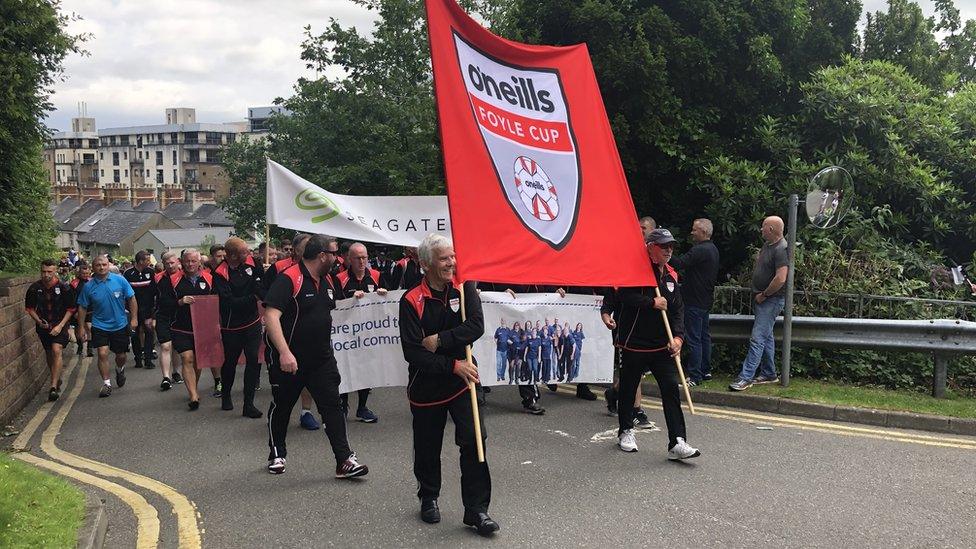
[659,236]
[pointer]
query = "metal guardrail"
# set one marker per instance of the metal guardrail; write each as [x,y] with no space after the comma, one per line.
[739,300]
[940,337]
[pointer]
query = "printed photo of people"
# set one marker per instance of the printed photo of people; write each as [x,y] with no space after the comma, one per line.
[545,351]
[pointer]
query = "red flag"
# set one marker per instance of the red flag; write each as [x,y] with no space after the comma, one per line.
[535,187]
[208,349]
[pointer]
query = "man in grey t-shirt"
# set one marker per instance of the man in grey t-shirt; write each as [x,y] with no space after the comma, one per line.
[768,286]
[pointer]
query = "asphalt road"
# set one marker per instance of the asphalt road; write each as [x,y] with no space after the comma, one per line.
[559,479]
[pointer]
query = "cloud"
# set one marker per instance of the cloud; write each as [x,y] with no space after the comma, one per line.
[218,56]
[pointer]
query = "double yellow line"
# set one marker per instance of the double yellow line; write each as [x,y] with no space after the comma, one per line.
[147,518]
[819,426]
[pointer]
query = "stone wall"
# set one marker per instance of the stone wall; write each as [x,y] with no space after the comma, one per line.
[23,370]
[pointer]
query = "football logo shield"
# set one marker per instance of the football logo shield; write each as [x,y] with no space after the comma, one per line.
[524,122]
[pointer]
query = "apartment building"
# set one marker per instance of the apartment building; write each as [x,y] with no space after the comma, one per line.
[172,162]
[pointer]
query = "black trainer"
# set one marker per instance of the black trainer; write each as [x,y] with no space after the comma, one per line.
[193,405]
[429,512]
[481,522]
[583,391]
[138,362]
[610,395]
[53,394]
[534,409]
[149,364]
[88,351]
[80,348]
[251,412]
[120,376]
[166,384]
[177,378]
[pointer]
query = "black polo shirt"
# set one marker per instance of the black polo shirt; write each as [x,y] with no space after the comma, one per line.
[50,302]
[239,290]
[306,304]
[173,288]
[349,285]
[144,285]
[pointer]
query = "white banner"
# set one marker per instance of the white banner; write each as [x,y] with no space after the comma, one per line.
[566,341]
[398,220]
[366,340]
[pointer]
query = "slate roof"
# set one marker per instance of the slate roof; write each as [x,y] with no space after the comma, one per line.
[63,211]
[177,238]
[179,210]
[210,214]
[115,227]
[147,206]
[79,216]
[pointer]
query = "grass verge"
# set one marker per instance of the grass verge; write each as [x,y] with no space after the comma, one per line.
[826,392]
[37,509]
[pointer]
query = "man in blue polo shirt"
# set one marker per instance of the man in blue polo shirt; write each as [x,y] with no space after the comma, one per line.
[108,295]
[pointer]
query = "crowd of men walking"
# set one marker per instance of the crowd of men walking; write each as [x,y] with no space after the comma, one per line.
[291,301]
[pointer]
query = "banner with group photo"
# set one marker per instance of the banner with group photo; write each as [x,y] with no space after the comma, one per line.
[295,203]
[543,338]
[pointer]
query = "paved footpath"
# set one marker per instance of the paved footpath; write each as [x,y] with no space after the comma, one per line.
[174,478]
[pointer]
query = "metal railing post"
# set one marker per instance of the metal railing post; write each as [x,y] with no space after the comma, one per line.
[939,376]
[788,307]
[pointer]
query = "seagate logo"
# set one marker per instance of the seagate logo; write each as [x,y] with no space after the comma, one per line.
[310,199]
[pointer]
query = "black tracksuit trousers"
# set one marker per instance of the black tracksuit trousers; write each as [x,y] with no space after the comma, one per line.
[247,340]
[428,436]
[660,363]
[322,381]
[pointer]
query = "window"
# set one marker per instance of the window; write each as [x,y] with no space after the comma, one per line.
[101,156]
[159,177]
[190,176]
[174,157]
[140,155]
[124,140]
[159,158]
[103,173]
[176,181]
[115,159]
[125,155]
[194,155]
[213,156]
[191,138]
[115,176]
[127,173]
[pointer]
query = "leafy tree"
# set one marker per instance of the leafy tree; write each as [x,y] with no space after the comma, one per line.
[244,161]
[33,45]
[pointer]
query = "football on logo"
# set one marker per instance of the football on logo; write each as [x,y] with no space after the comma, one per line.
[534,188]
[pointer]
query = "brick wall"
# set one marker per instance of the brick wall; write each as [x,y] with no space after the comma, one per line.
[23,370]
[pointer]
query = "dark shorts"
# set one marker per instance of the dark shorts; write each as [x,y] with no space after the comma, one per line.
[182,342]
[163,334]
[144,313]
[47,340]
[117,341]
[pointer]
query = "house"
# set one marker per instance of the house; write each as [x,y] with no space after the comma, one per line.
[115,229]
[158,241]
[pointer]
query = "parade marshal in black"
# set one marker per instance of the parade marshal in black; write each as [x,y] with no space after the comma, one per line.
[434,390]
[172,289]
[50,303]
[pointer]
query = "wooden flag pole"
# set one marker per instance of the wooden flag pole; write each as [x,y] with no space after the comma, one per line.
[472,391]
[677,357]
[267,245]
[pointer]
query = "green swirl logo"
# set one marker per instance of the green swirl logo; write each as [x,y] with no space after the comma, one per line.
[317,200]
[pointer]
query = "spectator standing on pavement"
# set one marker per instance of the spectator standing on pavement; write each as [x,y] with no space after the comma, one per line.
[434,337]
[51,303]
[107,296]
[699,271]
[768,288]
[298,319]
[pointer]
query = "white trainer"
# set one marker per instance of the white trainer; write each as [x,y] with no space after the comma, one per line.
[276,466]
[682,450]
[626,441]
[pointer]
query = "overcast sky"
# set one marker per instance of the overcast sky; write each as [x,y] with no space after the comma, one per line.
[219,56]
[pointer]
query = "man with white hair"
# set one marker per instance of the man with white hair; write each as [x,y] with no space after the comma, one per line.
[177,293]
[434,337]
[699,269]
